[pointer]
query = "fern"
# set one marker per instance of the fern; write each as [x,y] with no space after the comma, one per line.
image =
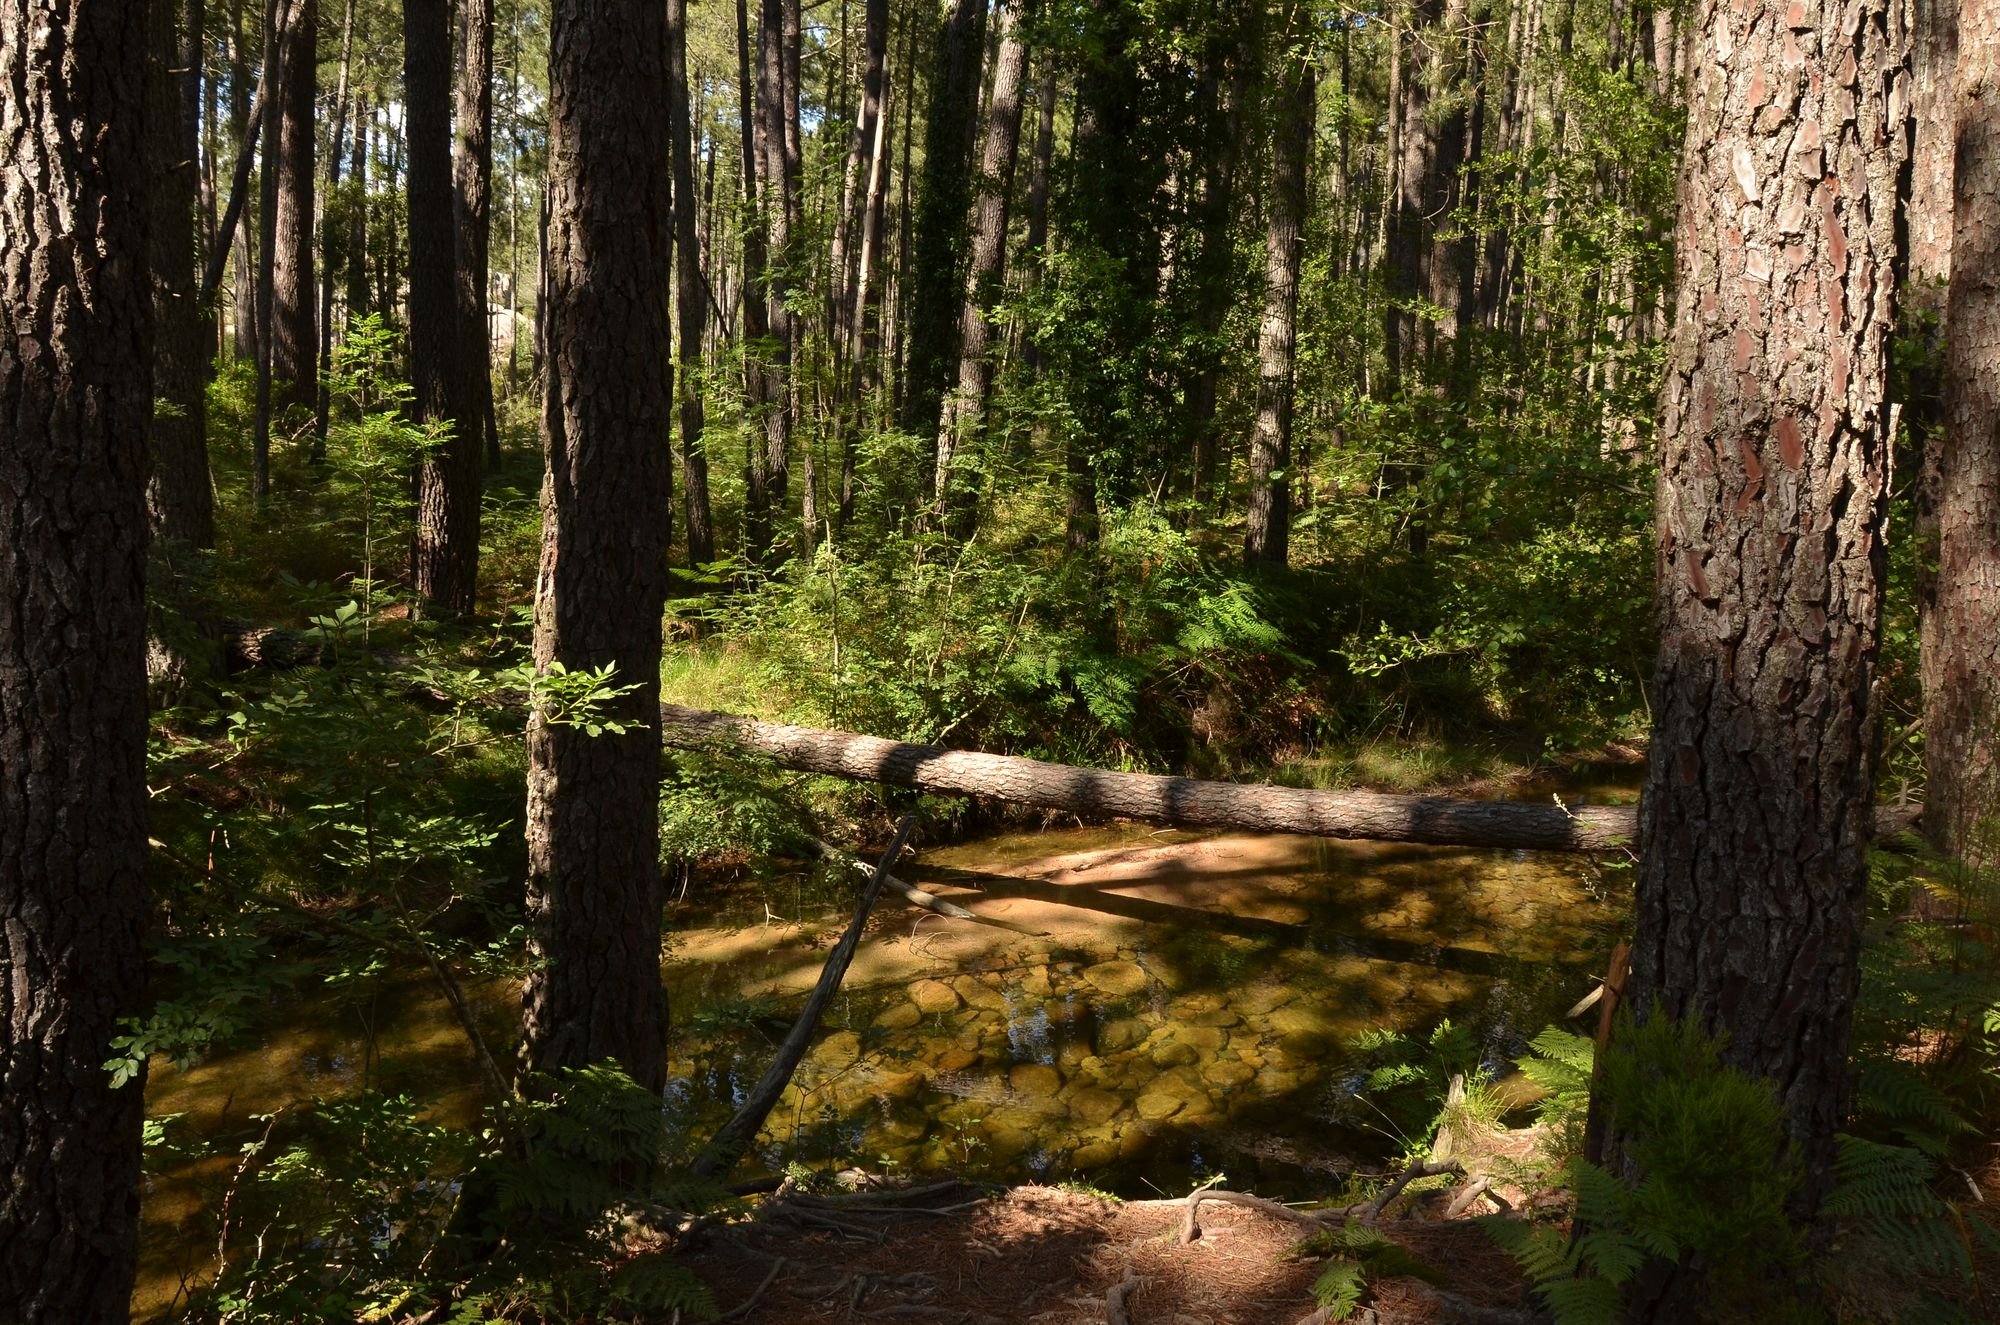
[1339,1288]
[657,1282]
[1883,1194]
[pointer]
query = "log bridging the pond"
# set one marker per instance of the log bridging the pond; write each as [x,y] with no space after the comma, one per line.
[1185,802]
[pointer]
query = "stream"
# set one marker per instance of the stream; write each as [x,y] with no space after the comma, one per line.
[1163,1006]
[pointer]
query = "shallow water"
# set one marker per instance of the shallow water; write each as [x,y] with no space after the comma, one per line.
[1179,1004]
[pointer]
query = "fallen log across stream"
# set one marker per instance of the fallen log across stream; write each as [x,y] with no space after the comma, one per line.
[1189,802]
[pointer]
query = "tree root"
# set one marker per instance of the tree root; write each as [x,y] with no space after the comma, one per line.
[1369,1211]
[1114,1300]
[1190,1230]
[749,1303]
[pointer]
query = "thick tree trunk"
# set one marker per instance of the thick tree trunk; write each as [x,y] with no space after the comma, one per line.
[75,367]
[1099,793]
[691,293]
[594,894]
[937,282]
[472,212]
[963,423]
[444,546]
[294,323]
[1267,531]
[1961,629]
[1038,201]
[179,498]
[1772,495]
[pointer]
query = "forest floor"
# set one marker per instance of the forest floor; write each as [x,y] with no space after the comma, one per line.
[1051,1255]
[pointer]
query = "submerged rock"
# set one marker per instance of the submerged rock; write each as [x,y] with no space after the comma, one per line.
[1119,977]
[932,996]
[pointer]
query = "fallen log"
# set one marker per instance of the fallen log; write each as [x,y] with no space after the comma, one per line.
[1190,802]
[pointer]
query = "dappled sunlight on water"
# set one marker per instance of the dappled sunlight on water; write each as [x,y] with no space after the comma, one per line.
[1179,1005]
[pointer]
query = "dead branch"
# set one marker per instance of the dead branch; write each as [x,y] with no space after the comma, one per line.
[916,896]
[734,1137]
[1369,1211]
[1190,1230]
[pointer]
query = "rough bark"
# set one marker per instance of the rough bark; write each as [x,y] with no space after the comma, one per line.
[294,322]
[472,211]
[328,254]
[1267,531]
[1934,115]
[863,321]
[1215,280]
[279,17]
[777,101]
[1961,629]
[1770,508]
[179,499]
[756,313]
[75,363]
[964,410]
[691,293]
[594,894]
[444,545]
[943,198]
[1441,820]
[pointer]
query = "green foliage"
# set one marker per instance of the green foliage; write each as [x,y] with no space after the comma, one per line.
[1359,1256]
[1560,1063]
[1706,1144]
[1408,1083]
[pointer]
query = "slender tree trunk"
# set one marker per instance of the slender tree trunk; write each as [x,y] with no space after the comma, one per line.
[899,323]
[862,321]
[1961,629]
[323,403]
[755,312]
[358,302]
[1038,203]
[778,101]
[963,424]
[279,16]
[472,213]
[1772,496]
[950,135]
[594,894]
[691,293]
[243,280]
[444,545]
[1215,266]
[1267,536]
[75,391]
[179,499]
[294,324]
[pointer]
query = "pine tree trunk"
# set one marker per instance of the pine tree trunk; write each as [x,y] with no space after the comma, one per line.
[691,292]
[323,403]
[179,498]
[1961,629]
[1215,265]
[75,391]
[963,424]
[1772,497]
[243,270]
[937,282]
[756,318]
[1038,202]
[863,319]
[594,896]
[294,323]
[358,301]
[777,100]
[444,545]
[279,16]
[1267,535]
[472,212]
